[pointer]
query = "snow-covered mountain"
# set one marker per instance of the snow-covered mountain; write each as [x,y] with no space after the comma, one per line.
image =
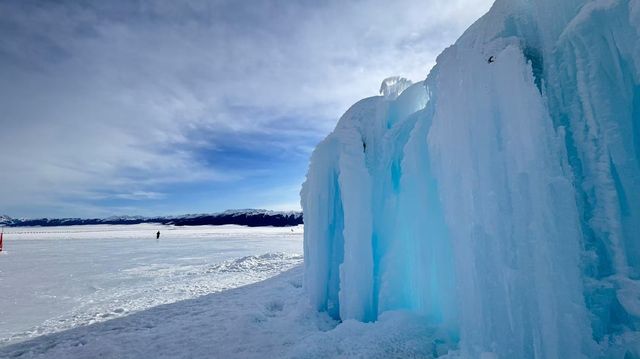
[5,220]
[500,198]
[244,217]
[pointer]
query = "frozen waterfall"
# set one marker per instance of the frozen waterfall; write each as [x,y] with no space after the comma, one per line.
[499,200]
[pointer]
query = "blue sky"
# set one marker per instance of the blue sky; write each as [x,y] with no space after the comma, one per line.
[169,107]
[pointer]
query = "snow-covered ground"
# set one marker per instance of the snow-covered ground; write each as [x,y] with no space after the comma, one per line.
[55,279]
[269,319]
[203,292]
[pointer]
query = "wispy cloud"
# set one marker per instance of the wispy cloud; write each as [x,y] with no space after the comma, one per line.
[191,98]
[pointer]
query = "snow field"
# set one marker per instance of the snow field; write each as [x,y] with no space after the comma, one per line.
[53,279]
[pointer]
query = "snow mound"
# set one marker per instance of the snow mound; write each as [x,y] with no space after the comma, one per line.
[264,263]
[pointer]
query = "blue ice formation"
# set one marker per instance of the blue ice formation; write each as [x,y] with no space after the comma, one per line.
[500,200]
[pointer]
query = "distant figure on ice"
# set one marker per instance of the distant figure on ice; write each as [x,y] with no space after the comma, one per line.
[158,235]
[491,60]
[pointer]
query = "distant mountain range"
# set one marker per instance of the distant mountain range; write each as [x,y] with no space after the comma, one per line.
[245,217]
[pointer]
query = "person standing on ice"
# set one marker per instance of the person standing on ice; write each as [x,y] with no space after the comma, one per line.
[158,235]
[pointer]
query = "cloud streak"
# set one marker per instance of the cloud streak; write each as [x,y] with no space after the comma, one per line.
[103,102]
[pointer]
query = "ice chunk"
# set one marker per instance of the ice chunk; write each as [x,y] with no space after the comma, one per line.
[393,86]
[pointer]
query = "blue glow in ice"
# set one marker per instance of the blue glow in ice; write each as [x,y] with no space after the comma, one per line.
[499,199]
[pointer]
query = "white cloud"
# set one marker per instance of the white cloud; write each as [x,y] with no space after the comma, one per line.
[115,97]
[140,195]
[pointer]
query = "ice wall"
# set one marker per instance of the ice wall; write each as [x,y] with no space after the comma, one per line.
[499,200]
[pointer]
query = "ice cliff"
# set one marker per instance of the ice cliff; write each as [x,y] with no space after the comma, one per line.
[498,200]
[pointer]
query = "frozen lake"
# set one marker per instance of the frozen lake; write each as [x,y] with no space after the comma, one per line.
[57,278]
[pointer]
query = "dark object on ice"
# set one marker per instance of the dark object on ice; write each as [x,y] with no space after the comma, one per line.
[364,146]
[158,235]
[491,60]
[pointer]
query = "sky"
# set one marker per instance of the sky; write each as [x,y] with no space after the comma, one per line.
[170,107]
